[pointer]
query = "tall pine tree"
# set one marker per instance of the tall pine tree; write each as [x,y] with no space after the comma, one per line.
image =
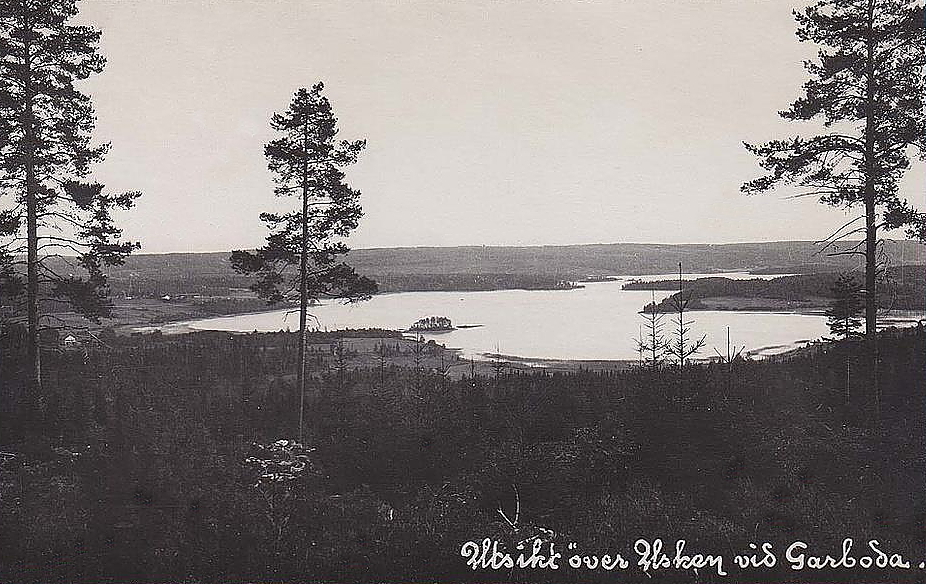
[867,88]
[302,256]
[65,225]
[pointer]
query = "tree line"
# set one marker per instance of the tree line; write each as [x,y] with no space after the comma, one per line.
[901,288]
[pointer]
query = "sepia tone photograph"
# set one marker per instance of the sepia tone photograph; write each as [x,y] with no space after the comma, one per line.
[387,291]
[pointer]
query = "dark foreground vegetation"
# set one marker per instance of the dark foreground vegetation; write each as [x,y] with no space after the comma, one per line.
[131,464]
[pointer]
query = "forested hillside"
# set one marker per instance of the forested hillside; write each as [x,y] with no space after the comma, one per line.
[486,268]
[903,288]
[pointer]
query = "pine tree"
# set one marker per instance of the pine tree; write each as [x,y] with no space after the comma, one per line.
[304,247]
[842,317]
[652,343]
[684,346]
[867,88]
[62,224]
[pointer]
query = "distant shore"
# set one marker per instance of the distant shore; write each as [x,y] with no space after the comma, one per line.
[904,289]
[534,363]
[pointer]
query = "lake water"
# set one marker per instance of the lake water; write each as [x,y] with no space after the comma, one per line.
[599,321]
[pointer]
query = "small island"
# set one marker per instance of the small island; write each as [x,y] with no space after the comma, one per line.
[432,324]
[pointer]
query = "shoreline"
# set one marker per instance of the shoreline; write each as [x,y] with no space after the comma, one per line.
[490,363]
[534,363]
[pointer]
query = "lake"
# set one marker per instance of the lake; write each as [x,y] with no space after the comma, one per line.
[599,321]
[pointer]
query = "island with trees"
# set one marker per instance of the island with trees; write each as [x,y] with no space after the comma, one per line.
[432,324]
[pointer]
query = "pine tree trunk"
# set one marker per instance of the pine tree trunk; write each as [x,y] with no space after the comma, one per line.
[871,229]
[32,278]
[303,281]
[32,239]
[871,251]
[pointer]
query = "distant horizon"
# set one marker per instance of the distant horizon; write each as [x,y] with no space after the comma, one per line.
[542,245]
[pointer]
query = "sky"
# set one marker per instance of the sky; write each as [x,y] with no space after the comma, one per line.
[487,122]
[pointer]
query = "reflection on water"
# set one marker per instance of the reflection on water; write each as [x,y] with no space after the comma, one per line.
[599,321]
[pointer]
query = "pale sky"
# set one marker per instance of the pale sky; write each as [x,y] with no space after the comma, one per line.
[487,123]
